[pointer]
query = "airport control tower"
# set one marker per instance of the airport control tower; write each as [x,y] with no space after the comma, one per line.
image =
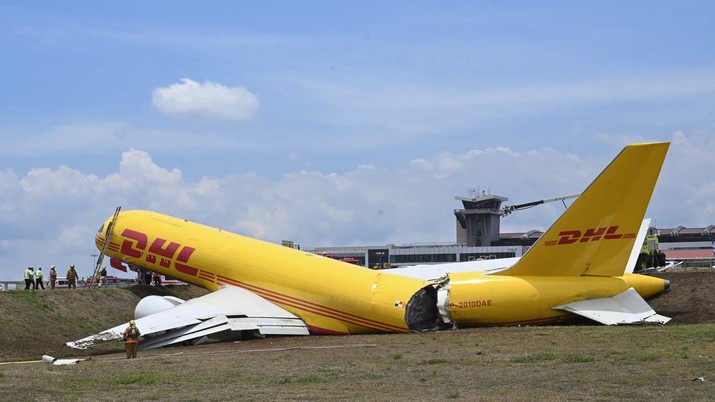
[478,222]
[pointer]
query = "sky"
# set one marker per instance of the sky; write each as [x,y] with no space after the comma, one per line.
[339,123]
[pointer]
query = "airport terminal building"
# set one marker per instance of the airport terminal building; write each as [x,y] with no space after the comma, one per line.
[478,236]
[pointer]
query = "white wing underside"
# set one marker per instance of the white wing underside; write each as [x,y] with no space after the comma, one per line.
[227,310]
[627,307]
[436,271]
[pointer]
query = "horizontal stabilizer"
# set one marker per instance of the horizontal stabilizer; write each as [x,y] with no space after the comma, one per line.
[640,238]
[627,307]
[435,271]
[228,309]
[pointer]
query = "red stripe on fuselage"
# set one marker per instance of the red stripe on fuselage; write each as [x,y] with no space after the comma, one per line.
[322,331]
[99,241]
[313,307]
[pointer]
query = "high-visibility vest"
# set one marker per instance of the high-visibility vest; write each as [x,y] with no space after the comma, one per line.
[27,274]
[38,274]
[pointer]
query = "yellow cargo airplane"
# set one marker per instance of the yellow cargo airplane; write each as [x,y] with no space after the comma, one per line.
[578,267]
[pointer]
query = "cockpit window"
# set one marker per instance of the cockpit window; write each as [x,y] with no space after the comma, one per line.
[101,229]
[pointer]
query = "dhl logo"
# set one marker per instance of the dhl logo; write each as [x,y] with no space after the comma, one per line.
[160,252]
[576,236]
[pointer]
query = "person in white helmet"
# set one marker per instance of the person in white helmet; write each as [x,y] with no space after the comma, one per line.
[53,277]
[72,278]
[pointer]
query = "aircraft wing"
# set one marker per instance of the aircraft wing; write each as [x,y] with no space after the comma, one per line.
[627,307]
[230,309]
[436,271]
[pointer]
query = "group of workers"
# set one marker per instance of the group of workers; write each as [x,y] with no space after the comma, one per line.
[35,280]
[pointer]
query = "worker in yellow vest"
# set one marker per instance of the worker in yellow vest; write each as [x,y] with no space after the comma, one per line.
[29,277]
[38,279]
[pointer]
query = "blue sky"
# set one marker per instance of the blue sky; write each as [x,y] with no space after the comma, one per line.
[336,123]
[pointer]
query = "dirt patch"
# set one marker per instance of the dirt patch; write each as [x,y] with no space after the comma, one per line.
[690,299]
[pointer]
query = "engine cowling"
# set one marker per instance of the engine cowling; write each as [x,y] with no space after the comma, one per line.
[154,304]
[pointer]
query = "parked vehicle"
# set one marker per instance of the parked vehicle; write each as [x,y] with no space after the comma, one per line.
[61,283]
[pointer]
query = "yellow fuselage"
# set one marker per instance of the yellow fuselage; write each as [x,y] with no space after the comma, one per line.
[478,299]
[333,297]
[330,296]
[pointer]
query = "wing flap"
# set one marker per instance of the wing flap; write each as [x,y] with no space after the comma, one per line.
[269,325]
[627,307]
[263,325]
[228,309]
[185,334]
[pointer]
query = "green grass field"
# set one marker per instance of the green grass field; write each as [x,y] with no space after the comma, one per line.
[516,363]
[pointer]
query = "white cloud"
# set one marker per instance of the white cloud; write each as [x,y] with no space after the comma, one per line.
[138,165]
[685,193]
[10,190]
[208,100]
[46,183]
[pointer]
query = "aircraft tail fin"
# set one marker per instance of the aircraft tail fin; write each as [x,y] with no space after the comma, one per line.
[597,232]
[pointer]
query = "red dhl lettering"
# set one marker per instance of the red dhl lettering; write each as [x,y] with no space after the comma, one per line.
[593,234]
[159,253]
